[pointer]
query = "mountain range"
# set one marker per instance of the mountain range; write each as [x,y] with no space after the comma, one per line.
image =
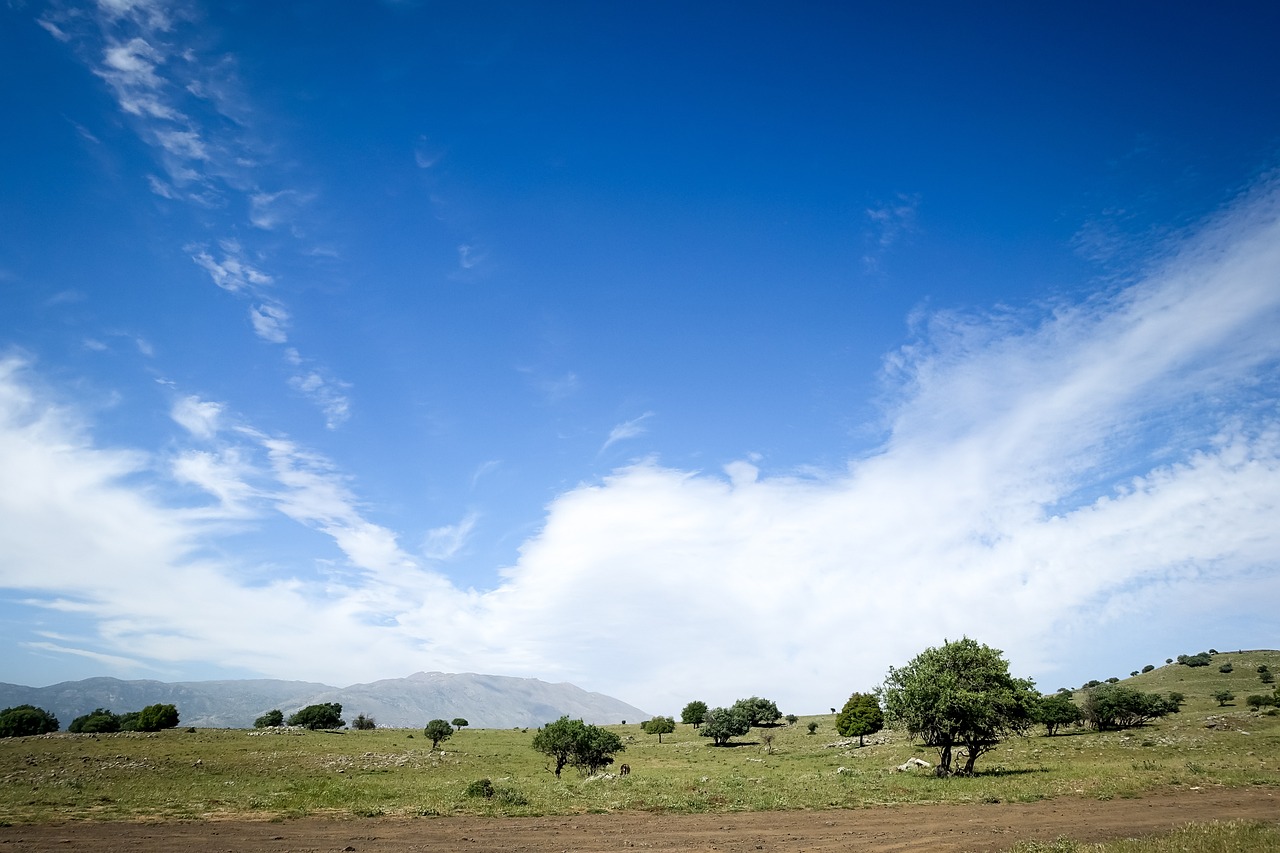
[485,701]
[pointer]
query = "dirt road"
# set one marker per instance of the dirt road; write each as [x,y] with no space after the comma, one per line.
[873,830]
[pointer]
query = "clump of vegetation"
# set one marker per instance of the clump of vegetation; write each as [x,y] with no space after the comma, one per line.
[1226,667]
[1198,659]
[152,718]
[1056,711]
[758,711]
[479,788]
[326,715]
[722,724]
[1114,707]
[1148,668]
[1223,697]
[26,720]
[271,719]
[363,723]
[460,722]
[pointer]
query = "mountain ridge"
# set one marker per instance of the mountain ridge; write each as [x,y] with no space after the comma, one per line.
[485,701]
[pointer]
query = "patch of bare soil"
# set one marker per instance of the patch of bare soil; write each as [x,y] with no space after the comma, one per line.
[892,828]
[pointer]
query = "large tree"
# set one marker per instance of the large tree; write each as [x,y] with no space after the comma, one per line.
[760,712]
[959,696]
[326,715]
[694,713]
[574,742]
[720,724]
[1056,711]
[24,720]
[860,716]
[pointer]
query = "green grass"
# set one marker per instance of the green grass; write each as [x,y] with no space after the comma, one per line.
[1228,837]
[177,774]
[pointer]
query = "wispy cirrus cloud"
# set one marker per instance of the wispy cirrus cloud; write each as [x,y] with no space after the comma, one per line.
[627,429]
[996,506]
[183,102]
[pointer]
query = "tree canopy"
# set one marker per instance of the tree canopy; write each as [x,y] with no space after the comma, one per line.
[274,717]
[860,716]
[99,720]
[694,713]
[959,695]
[1113,706]
[326,715]
[438,730]
[720,724]
[660,726]
[758,711]
[573,742]
[1056,711]
[25,720]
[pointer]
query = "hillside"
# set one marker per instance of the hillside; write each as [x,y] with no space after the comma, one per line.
[485,701]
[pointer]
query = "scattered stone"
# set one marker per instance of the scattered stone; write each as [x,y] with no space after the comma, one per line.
[912,763]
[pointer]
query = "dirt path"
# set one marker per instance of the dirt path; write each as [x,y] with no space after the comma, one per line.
[870,830]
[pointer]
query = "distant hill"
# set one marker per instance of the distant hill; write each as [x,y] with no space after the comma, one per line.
[485,701]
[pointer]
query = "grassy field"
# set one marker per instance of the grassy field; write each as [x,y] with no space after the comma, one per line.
[180,774]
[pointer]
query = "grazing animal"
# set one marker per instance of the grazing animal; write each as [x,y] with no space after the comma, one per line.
[624,770]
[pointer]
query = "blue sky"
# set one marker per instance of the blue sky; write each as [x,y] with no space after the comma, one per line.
[675,352]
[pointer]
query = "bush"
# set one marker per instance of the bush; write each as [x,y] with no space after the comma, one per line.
[153,718]
[479,788]
[1267,678]
[1056,711]
[1226,667]
[1148,668]
[363,724]
[1116,707]
[100,720]
[1223,697]
[1258,702]
[326,715]
[813,727]
[270,719]
[25,720]
[1198,659]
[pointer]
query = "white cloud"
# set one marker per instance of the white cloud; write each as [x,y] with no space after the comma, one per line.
[199,417]
[231,273]
[627,429]
[270,320]
[328,395]
[1072,487]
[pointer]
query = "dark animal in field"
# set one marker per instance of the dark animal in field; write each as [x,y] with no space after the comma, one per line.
[624,770]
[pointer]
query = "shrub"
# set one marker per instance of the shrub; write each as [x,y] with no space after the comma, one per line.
[813,727]
[1113,680]
[1223,697]
[153,718]
[272,718]
[100,720]
[24,720]
[510,797]
[1198,659]
[1226,667]
[479,788]
[363,724]
[1267,678]
[1258,702]
[1148,668]
[792,719]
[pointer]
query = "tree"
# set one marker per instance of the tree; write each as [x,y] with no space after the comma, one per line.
[792,719]
[574,742]
[100,720]
[813,727]
[1267,678]
[326,715]
[364,723]
[1258,702]
[1055,711]
[860,716]
[152,718]
[274,717]
[760,712]
[660,726]
[1148,668]
[460,723]
[694,713]
[438,730]
[1118,707]
[959,695]
[25,720]
[720,724]
[1198,659]
[1223,697]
